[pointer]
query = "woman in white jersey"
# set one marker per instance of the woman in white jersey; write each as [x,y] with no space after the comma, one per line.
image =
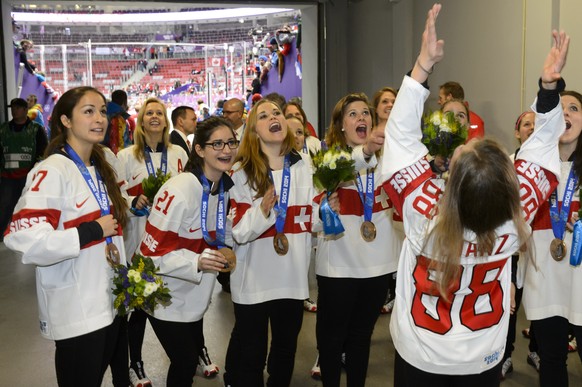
[186,235]
[353,267]
[551,294]
[271,206]
[66,222]
[452,305]
[151,151]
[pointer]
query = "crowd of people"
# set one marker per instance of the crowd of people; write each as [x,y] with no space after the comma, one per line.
[450,269]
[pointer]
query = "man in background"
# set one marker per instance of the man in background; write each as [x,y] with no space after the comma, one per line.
[184,121]
[233,111]
[22,144]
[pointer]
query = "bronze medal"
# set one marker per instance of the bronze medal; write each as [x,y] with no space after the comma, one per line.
[558,249]
[112,254]
[281,243]
[368,231]
[230,257]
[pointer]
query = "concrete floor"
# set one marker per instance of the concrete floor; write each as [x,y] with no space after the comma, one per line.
[26,359]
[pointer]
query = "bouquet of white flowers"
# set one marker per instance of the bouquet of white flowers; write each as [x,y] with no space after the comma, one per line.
[332,167]
[442,133]
[139,287]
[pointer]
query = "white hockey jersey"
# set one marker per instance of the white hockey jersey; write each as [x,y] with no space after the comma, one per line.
[466,335]
[173,239]
[133,172]
[553,289]
[261,274]
[73,284]
[348,255]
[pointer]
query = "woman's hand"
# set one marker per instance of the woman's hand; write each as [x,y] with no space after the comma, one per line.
[441,163]
[556,60]
[142,201]
[269,201]
[108,224]
[431,49]
[374,142]
[211,260]
[333,201]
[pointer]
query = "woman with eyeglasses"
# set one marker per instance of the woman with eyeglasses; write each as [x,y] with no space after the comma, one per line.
[187,235]
[151,151]
[272,219]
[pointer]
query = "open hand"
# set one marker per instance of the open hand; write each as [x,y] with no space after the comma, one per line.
[555,60]
[431,49]
[269,201]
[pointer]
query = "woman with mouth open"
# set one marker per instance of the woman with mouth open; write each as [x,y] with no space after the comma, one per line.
[352,268]
[187,235]
[272,209]
[151,151]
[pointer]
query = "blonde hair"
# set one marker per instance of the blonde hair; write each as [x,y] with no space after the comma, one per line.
[484,170]
[253,161]
[139,133]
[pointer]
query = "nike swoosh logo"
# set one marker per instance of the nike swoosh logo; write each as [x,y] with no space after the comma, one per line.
[135,177]
[79,205]
[196,229]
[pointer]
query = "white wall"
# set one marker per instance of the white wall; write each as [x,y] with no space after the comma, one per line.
[494,48]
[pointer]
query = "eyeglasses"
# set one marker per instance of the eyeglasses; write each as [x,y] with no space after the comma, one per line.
[219,145]
[225,112]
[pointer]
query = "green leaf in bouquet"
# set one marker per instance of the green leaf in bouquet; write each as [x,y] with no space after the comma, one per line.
[152,184]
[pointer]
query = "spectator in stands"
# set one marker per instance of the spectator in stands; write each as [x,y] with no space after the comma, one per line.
[454,90]
[35,112]
[265,67]
[22,143]
[26,45]
[118,135]
[233,111]
[184,122]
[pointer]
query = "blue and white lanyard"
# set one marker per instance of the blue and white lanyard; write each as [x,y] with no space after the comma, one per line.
[220,214]
[281,207]
[368,200]
[99,192]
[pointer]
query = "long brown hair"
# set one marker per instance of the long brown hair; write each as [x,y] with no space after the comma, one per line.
[335,137]
[252,159]
[484,171]
[59,132]
[577,163]
[139,133]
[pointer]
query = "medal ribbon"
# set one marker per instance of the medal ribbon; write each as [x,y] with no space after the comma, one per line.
[150,165]
[575,254]
[281,206]
[99,192]
[559,217]
[219,242]
[368,199]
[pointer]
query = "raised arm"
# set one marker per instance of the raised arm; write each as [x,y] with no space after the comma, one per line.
[431,49]
[541,147]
